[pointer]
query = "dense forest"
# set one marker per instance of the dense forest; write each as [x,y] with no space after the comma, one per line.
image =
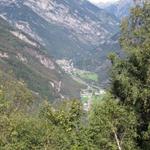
[120,121]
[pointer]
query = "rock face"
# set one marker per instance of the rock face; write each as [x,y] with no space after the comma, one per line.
[70,29]
[24,38]
[72,16]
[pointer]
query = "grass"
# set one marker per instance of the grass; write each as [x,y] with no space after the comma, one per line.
[88,75]
[84,99]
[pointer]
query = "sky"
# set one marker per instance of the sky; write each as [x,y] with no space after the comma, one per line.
[103,1]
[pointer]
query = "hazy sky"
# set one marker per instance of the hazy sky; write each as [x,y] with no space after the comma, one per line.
[103,1]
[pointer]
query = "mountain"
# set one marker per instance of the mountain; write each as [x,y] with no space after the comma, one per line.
[69,29]
[120,8]
[29,61]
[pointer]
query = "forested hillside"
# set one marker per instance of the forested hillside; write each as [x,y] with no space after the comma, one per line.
[120,121]
[29,62]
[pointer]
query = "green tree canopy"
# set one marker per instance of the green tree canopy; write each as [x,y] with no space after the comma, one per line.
[131,75]
[112,126]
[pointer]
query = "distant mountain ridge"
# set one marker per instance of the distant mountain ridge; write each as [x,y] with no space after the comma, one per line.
[120,9]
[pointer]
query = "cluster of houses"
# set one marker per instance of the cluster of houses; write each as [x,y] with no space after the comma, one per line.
[66,65]
[88,94]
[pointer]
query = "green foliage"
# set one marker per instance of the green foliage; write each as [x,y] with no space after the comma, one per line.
[54,128]
[14,95]
[15,101]
[64,122]
[61,127]
[112,126]
[23,132]
[87,75]
[131,75]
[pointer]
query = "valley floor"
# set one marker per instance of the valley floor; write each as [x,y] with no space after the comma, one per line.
[93,91]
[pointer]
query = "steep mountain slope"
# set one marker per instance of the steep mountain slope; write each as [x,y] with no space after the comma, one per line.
[70,29]
[29,62]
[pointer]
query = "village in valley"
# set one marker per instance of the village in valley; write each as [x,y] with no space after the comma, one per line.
[92,92]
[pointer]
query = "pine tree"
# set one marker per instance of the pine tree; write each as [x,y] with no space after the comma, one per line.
[131,75]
